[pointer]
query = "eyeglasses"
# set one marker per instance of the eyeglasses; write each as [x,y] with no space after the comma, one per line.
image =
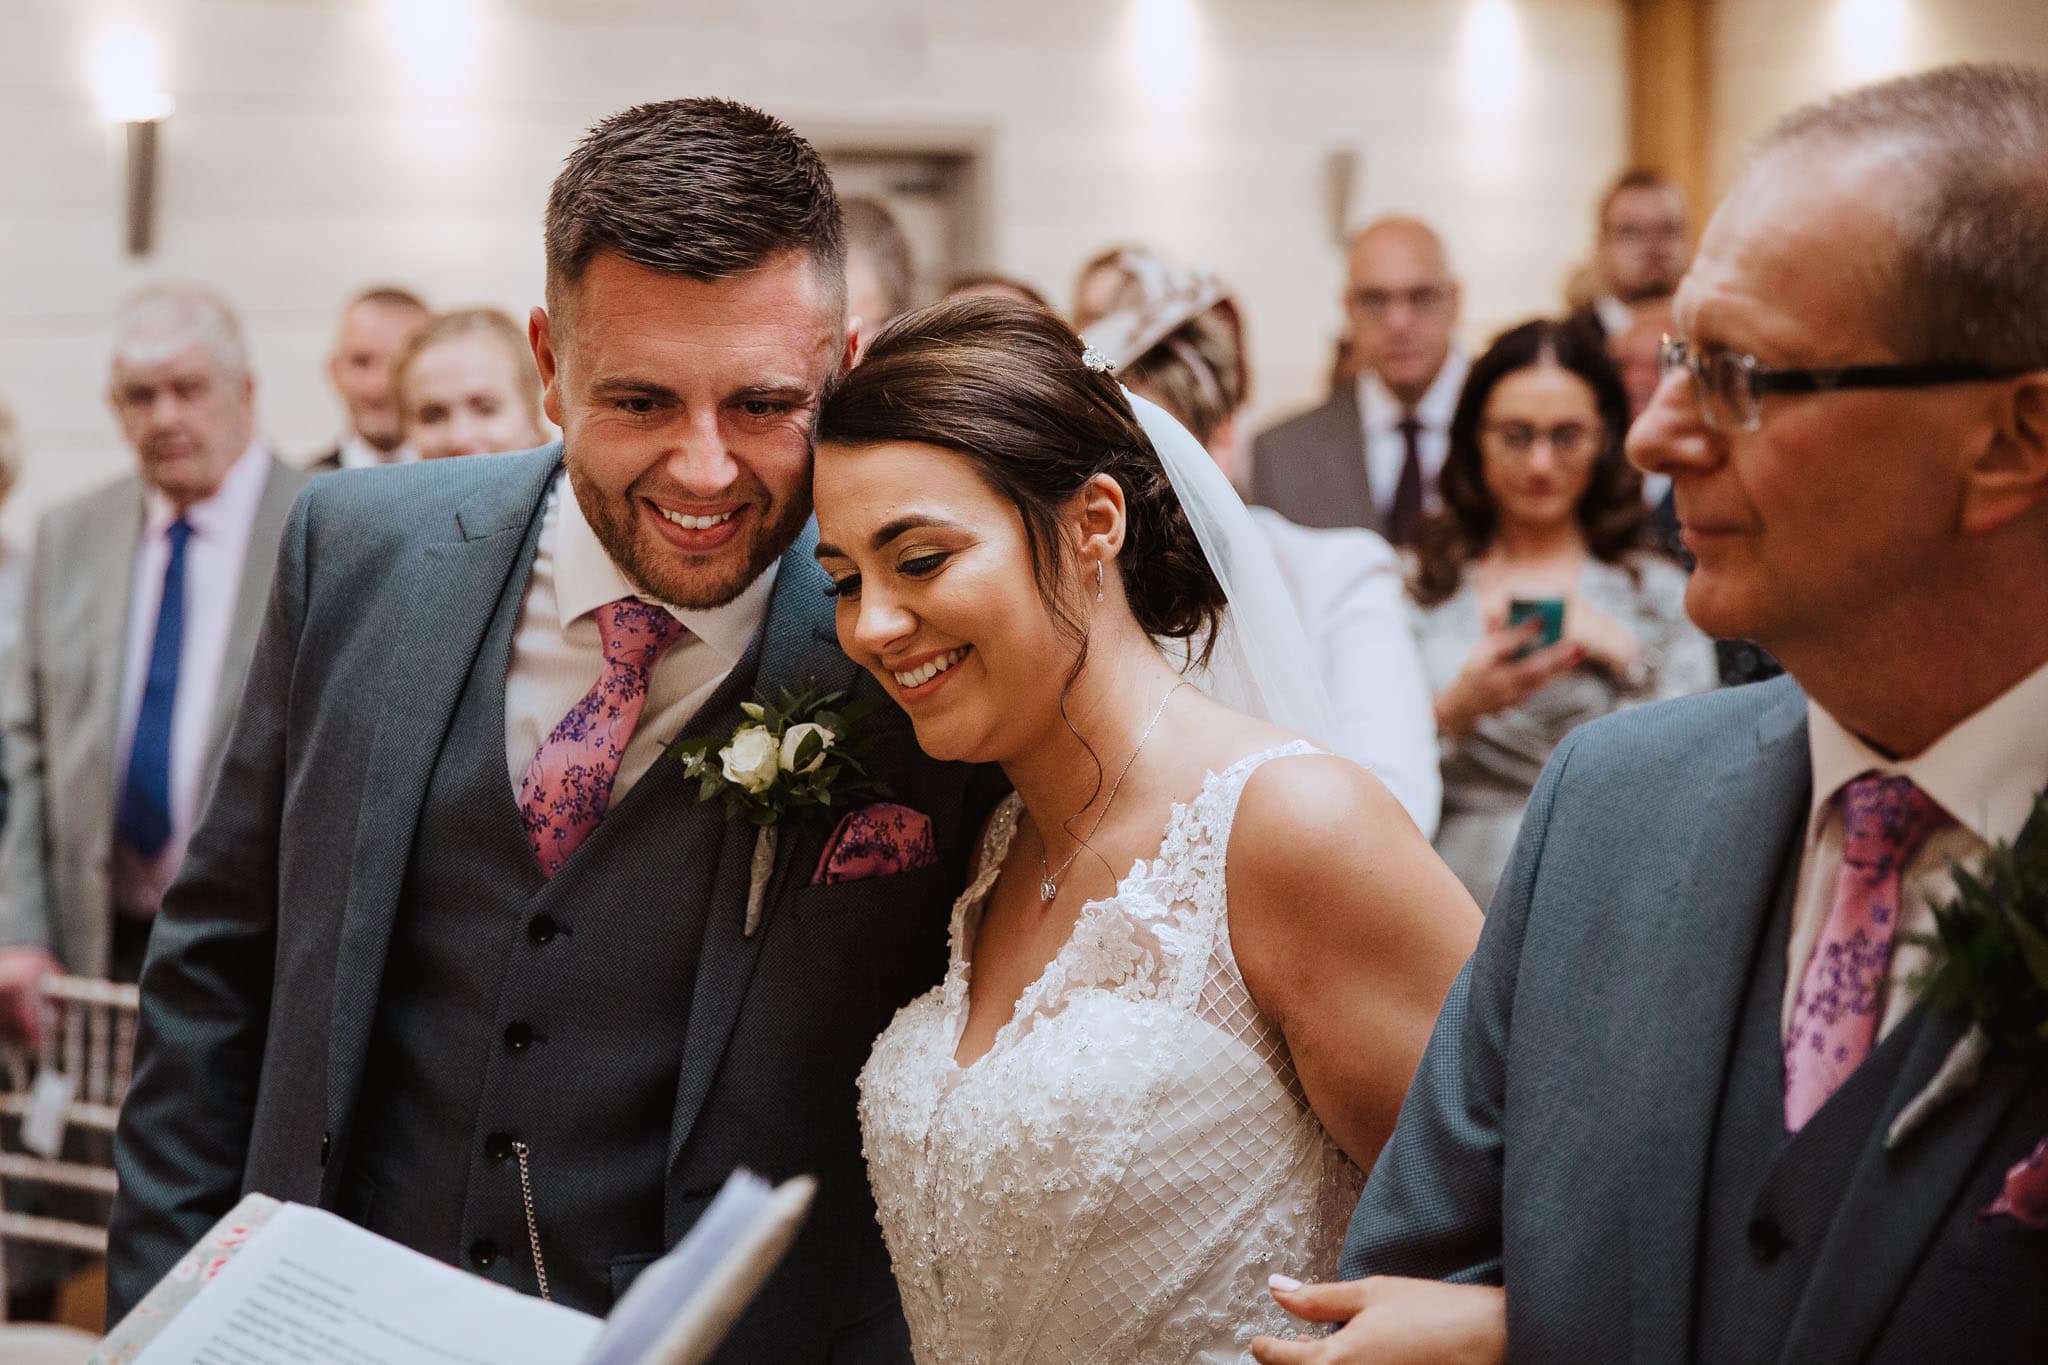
[1730,387]
[1423,298]
[1567,440]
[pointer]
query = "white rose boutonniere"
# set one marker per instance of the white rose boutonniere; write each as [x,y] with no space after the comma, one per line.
[794,753]
[751,760]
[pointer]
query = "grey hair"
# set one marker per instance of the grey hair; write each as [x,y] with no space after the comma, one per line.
[156,323]
[1972,272]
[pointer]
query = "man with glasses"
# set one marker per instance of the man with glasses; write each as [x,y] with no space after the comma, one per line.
[1709,1087]
[1639,253]
[1370,455]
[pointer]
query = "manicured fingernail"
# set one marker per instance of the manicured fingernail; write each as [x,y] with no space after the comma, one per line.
[1286,1284]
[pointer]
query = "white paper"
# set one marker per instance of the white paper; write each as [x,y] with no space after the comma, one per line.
[312,1289]
[49,1108]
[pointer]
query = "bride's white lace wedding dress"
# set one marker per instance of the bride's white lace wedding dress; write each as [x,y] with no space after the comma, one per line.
[1116,1179]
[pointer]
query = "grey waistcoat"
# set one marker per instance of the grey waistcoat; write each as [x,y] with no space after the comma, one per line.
[548,1013]
[1773,1195]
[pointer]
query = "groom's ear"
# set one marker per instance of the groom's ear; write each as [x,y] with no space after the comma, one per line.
[855,344]
[542,340]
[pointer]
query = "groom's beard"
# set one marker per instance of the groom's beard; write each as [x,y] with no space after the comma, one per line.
[692,581]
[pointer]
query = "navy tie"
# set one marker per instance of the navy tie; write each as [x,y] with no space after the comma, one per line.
[144,818]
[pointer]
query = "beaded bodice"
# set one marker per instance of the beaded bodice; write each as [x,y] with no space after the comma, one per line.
[1116,1178]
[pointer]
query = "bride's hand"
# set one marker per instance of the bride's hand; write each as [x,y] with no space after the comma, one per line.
[1391,1321]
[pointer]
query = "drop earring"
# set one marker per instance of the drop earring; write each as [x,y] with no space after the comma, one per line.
[1098,580]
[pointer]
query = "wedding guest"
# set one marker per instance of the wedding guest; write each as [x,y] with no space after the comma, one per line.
[375,326]
[1370,456]
[1539,504]
[466,385]
[1096,285]
[993,285]
[1711,1087]
[138,622]
[1639,252]
[1176,339]
[879,272]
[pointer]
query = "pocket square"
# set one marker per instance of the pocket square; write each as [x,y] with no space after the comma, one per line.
[2025,1196]
[876,841]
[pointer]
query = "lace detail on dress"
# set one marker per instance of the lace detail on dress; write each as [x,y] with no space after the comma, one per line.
[1118,1175]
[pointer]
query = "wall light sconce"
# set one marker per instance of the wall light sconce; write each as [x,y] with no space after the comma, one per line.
[131,94]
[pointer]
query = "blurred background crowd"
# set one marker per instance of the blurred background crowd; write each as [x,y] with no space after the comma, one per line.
[1403,266]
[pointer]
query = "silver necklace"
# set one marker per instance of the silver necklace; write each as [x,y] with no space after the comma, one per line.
[1049,880]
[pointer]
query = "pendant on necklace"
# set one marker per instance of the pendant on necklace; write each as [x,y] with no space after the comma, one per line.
[1047,890]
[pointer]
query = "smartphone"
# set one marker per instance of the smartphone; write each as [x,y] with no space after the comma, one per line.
[1548,610]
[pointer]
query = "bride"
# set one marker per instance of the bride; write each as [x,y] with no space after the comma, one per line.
[1198,958]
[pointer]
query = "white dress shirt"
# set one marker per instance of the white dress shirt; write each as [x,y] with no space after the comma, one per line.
[215,557]
[1386,450]
[557,654]
[1615,316]
[1348,589]
[356,453]
[1985,773]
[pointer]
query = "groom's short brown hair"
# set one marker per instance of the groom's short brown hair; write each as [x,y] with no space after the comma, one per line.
[704,188]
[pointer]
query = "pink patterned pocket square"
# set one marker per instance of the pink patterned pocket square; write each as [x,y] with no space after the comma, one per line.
[877,841]
[2025,1196]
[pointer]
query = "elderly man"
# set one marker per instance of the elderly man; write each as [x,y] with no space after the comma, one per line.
[1370,455]
[139,618]
[375,326]
[879,272]
[1709,1087]
[1639,253]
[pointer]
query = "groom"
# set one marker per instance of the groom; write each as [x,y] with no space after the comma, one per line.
[1669,1104]
[406,976]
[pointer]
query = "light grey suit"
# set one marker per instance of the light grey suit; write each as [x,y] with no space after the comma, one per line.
[361,989]
[1598,1121]
[1311,467]
[62,711]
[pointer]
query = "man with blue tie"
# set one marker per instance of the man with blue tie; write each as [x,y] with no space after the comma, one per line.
[138,622]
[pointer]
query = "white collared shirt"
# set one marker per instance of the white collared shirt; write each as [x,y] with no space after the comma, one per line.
[1985,773]
[215,557]
[557,655]
[356,453]
[1386,450]
[1615,316]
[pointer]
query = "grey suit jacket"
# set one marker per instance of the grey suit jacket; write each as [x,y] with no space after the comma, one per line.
[62,711]
[1558,1131]
[264,972]
[1311,468]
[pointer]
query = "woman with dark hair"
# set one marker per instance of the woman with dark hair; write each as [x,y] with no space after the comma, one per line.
[1136,1093]
[1541,509]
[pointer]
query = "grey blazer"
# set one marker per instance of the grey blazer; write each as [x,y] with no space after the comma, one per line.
[1558,1134]
[62,710]
[264,973]
[1311,468]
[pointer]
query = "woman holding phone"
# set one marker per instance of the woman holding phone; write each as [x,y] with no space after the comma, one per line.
[1535,605]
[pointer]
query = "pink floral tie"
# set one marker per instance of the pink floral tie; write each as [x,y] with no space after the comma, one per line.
[569,784]
[1835,1014]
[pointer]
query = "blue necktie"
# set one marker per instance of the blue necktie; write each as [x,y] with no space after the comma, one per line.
[144,818]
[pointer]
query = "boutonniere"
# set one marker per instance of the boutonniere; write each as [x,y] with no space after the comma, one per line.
[796,753]
[1989,962]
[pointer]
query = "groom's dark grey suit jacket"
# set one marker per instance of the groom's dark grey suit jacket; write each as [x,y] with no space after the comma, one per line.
[361,992]
[1598,1119]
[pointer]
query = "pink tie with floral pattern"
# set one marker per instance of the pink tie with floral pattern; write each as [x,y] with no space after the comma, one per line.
[569,784]
[1885,820]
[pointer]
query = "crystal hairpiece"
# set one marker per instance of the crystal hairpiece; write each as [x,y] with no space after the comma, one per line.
[1097,361]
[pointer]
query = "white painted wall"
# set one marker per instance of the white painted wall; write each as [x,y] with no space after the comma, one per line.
[1771,56]
[320,144]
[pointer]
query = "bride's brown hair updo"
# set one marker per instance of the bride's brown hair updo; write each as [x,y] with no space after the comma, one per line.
[1002,383]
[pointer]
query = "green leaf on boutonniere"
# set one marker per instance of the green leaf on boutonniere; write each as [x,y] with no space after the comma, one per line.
[1988,955]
